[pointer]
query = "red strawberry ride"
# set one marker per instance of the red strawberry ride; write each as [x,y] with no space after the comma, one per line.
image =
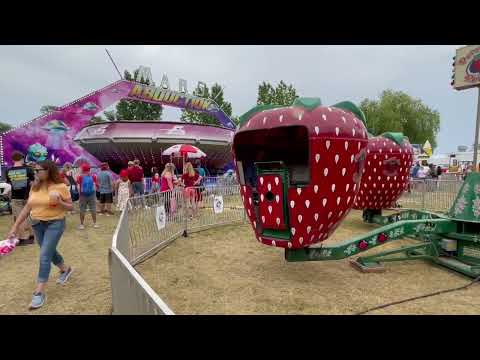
[386,174]
[299,169]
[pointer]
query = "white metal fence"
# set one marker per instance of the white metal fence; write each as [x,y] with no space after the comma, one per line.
[151,222]
[430,194]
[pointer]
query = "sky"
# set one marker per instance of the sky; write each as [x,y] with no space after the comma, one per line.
[32,76]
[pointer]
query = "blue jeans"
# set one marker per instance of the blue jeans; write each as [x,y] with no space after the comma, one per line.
[48,234]
[138,188]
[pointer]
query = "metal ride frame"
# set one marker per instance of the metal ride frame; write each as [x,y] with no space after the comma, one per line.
[452,240]
[140,234]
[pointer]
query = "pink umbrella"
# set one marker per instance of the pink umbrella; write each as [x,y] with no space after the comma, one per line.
[184,150]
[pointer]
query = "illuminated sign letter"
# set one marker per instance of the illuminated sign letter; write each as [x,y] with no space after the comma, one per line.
[157,95]
[148,92]
[136,91]
[182,86]
[144,74]
[202,89]
[164,84]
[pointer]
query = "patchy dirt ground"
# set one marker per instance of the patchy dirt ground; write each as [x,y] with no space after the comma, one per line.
[226,271]
[87,291]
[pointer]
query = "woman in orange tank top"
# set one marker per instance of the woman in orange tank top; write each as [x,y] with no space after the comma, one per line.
[47,204]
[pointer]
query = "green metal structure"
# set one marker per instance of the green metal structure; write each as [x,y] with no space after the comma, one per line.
[451,240]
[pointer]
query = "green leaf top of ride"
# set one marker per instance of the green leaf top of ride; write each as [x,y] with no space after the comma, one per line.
[308,103]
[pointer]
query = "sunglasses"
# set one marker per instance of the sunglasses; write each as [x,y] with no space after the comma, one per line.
[38,170]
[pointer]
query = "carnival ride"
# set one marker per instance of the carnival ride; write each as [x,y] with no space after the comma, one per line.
[300,171]
[63,135]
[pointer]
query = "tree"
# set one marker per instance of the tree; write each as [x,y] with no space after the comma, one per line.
[283,94]
[216,94]
[398,112]
[4,127]
[45,109]
[133,109]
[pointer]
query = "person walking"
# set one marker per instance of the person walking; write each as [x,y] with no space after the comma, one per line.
[88,184]
[20,177]
[123,188]
[47,204]
[106,189]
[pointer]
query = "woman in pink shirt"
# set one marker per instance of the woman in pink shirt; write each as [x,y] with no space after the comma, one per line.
[167,183]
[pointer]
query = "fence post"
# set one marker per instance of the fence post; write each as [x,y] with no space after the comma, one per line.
[423,194]
[184,214]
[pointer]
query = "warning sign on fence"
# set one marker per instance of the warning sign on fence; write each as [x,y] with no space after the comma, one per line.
[218,204]
[160,217]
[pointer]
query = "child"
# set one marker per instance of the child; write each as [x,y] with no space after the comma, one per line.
[88,184]
[123,188]
[155,183]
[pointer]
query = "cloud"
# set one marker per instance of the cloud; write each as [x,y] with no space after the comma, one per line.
[39,75]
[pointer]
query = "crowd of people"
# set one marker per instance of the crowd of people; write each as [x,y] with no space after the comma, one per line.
[42,194]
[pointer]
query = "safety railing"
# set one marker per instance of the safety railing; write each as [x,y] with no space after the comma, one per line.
[131,294]
[149,223]
[206,207]
[430,194]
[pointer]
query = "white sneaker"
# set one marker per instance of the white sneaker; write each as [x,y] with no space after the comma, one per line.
[81,227]
[95,226]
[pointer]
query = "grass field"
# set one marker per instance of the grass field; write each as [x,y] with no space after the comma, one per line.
[87,291]
[226,271]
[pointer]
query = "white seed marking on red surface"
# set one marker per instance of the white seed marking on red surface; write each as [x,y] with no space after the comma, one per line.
[317,158]
[327,144]
[278,221]
[277,198]
[315,216]
[329,214]
[263,219]
[324,117]
[289,244]
[347,187]
[344,171]
[337,131]
[300,240]
[293,231]
[325,172]
[353,131]
[277,181]
[346,145]
[333,187]
[324,202]
[261,197]
[300,218]
[250,201]
[315,189]
[292,204]
[348,200]
[337,157]
[309,228]
[317,130]
[269,187]
[261,180]
[307,203]
[270,209]
[338,200]
[299,191]
[254,224]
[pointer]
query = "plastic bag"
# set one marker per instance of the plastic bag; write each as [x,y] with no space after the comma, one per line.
[7,246]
